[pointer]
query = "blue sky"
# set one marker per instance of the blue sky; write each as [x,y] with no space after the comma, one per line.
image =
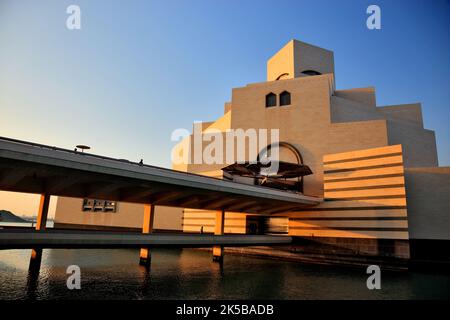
[137,70]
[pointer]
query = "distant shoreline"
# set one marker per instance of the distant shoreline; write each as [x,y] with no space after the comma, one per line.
[26,224]
[8,216]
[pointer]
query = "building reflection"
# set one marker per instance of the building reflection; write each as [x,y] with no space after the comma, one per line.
[34,269]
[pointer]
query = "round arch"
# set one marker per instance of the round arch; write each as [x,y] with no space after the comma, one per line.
[280,77]
[283,144]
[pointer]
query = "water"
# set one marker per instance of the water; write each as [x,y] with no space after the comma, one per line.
[191,274]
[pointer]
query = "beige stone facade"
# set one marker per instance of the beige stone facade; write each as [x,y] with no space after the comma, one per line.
[388,160]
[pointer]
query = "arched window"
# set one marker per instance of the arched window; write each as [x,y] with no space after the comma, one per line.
[311,73]
[271,100]
[285,98]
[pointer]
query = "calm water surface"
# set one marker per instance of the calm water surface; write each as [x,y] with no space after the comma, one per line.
[191,274]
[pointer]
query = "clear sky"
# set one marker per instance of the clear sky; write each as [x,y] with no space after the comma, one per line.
[137,70]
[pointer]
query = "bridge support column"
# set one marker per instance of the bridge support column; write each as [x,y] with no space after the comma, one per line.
[43,212]
[147,227]
[219,228]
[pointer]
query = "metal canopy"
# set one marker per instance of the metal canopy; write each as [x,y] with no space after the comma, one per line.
[34,168]
[257,170]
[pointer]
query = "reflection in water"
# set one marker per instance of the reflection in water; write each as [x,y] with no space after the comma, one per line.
[191,274]
[33,272]
[145,280]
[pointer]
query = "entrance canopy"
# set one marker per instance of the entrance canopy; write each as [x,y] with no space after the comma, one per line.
[256,170]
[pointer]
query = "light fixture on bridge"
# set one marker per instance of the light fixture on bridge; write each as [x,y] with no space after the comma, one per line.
[82,147]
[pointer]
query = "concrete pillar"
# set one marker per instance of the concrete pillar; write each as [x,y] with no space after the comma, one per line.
[43,212]
[147,227]
[219,228]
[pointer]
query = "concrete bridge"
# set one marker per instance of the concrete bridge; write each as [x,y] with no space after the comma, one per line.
[40,169]
[47,170]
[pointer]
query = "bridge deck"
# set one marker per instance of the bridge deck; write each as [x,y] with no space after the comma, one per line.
[19,239]
[33,168]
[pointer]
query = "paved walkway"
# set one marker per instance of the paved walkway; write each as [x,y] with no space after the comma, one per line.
[15,239]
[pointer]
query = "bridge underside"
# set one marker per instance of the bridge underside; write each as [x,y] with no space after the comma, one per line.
[31,168]
[20,239]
